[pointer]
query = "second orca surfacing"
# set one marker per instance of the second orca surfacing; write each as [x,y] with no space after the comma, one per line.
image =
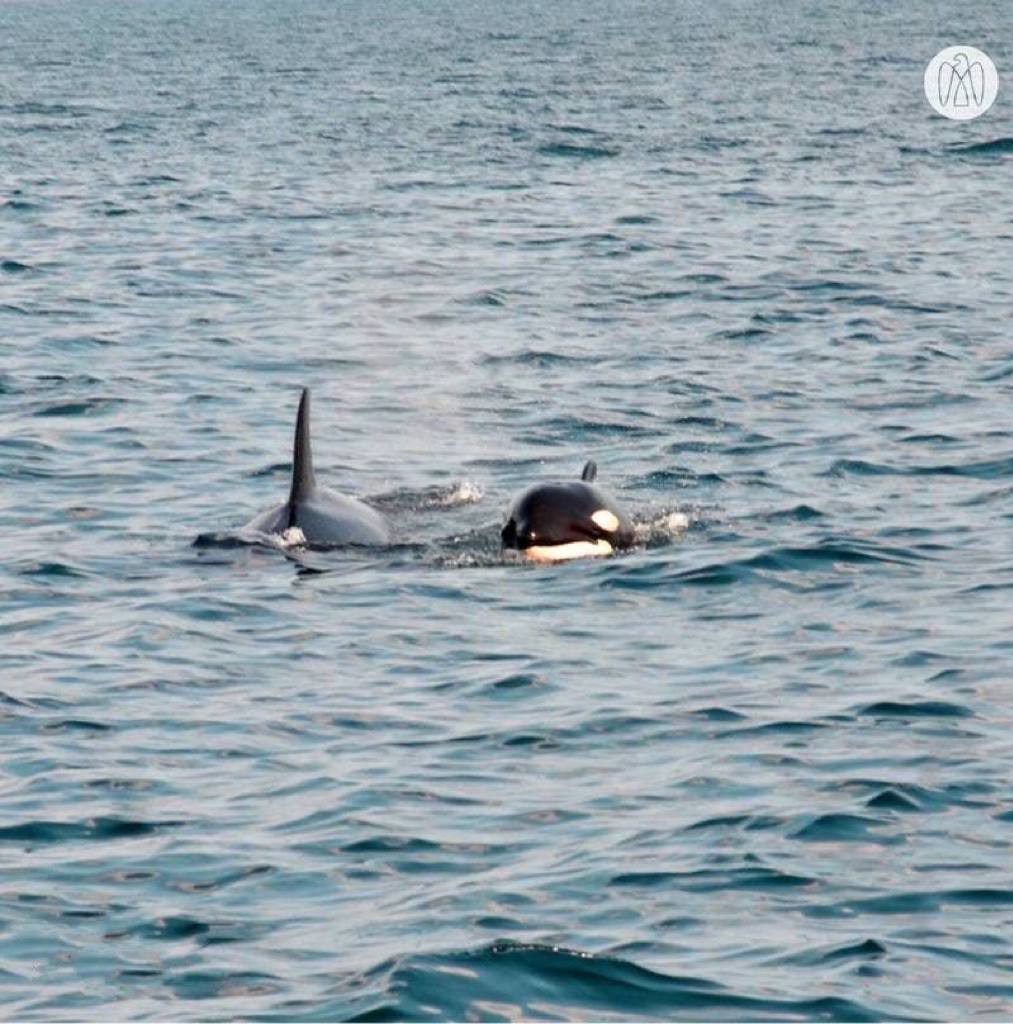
[555,522]
[314,515]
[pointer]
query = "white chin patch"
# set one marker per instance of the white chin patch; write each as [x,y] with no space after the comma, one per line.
[564,552]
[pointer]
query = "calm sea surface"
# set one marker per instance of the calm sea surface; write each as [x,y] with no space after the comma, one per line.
[758,768]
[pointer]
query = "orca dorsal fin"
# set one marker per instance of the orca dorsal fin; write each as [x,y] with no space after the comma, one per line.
[590,471]
[303,480]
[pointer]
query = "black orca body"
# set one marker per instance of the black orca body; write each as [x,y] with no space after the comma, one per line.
[559,521]
[314,515]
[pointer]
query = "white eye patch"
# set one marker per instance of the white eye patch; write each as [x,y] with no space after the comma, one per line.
[605,520]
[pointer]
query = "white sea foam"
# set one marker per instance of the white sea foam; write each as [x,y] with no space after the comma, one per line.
[293,537]
[465,493]
[666,526]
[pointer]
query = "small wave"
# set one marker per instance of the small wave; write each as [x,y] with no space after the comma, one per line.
[492,297]
[219,984]
[19,205]
[916,709]
[529,981]
[129,128]
[156,179]
[663,479]
[578,427]
[1001,372]
[766,566]
[830,286]
[76,725]
[830,553]
[993,147]
[538,358]
[575,152]
[894,795]
[93,830]
[761,878]
[52,569]
[750,196]
[867,949]
[720,714]
[891,800]
[716,143]
[913,902]
[85,407]
[797,513]
[827,554]
[636,219]
[170,929]
[282,469]
[665,295]
[743,334]
[746,822]
[789,727]
[516,685]
[573,129]
[843,828]
[984,470]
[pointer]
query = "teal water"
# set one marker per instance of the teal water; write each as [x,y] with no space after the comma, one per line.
[758,768]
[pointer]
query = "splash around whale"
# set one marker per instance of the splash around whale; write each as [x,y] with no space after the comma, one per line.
[314,515]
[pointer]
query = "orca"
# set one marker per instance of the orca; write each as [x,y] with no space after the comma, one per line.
[555,522]
[314,515]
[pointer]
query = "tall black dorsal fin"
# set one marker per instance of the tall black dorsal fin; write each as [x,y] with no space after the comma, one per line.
[590,471]
[303,480]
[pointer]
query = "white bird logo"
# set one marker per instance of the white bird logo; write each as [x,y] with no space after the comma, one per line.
[960,82]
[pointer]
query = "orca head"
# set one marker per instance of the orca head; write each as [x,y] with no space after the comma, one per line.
[559,521]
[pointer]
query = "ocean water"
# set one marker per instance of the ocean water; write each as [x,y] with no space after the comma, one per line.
[758,768]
